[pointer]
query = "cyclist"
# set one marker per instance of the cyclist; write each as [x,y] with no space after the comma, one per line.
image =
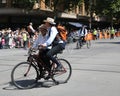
[42,37]
[53,40]
[82,33]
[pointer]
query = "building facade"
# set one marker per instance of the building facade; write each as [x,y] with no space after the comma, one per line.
[21,12]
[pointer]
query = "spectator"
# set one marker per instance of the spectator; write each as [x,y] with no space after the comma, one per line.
[30,29]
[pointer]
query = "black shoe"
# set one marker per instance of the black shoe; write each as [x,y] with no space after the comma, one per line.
[48,77]
[39,77]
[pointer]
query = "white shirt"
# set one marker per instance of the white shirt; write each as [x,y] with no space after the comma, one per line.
[40,40]
[53,32]
[83,32]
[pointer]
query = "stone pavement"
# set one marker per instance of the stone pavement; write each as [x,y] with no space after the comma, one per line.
[96,71]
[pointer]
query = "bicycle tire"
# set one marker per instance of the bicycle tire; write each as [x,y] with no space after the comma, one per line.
[64,75]
[88,44]
[22,80]
[80,44]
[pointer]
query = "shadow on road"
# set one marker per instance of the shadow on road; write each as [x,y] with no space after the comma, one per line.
[40,84]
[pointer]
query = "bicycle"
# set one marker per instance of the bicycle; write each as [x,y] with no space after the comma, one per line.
[26,75]
[81,41]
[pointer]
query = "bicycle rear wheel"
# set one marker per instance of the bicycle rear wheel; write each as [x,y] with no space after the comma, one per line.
[24,75]
[64,74]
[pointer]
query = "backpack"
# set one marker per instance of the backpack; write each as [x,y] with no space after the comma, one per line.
[62,32]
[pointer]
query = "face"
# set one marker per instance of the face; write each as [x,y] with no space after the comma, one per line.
[43,31]
[47,24]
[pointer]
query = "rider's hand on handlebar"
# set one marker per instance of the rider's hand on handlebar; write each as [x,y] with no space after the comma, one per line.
[41,46]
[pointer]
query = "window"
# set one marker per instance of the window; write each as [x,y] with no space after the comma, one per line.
[3,1]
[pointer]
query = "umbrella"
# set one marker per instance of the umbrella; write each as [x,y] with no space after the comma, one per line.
[76,24]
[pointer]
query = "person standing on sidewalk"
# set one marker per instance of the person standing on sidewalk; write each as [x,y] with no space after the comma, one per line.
[30,29]
[112,32]
[24,37]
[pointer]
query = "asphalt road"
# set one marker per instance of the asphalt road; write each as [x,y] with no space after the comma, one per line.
[95,71]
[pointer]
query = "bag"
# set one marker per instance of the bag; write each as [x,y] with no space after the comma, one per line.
[62,32]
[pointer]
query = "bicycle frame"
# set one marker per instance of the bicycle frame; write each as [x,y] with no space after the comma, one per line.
[31,66]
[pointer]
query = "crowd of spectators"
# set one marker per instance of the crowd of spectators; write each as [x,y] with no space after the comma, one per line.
[107,33]
[18,38]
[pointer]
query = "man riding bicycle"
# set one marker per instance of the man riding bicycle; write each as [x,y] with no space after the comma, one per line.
[51,45]
[82,33]
[53,40]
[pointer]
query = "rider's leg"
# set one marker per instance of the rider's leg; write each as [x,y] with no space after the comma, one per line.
[44,61]
[44,58]
[50,54]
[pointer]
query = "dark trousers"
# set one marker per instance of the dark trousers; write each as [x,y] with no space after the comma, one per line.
[48,55]
[56,49]
[31,34]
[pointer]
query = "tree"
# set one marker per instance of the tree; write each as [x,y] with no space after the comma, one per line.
[62,5]
[27,4]
[108,8]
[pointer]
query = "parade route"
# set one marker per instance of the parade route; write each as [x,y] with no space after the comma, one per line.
[95,71]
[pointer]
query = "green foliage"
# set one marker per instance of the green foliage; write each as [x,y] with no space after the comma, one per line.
[67,4]
[24,3]
[107,7]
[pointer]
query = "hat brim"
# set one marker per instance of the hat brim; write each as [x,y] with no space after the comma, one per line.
[53,23]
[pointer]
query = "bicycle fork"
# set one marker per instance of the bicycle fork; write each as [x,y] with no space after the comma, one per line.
[27,70]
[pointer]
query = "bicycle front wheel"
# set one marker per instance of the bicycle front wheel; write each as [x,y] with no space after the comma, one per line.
[64,74]
[77,45]
[24,75]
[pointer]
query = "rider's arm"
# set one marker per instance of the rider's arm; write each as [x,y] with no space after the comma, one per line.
[37,42]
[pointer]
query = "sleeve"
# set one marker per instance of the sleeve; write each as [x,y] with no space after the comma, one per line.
[36,42]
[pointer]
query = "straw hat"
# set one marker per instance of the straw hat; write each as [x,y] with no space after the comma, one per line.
[50,20]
